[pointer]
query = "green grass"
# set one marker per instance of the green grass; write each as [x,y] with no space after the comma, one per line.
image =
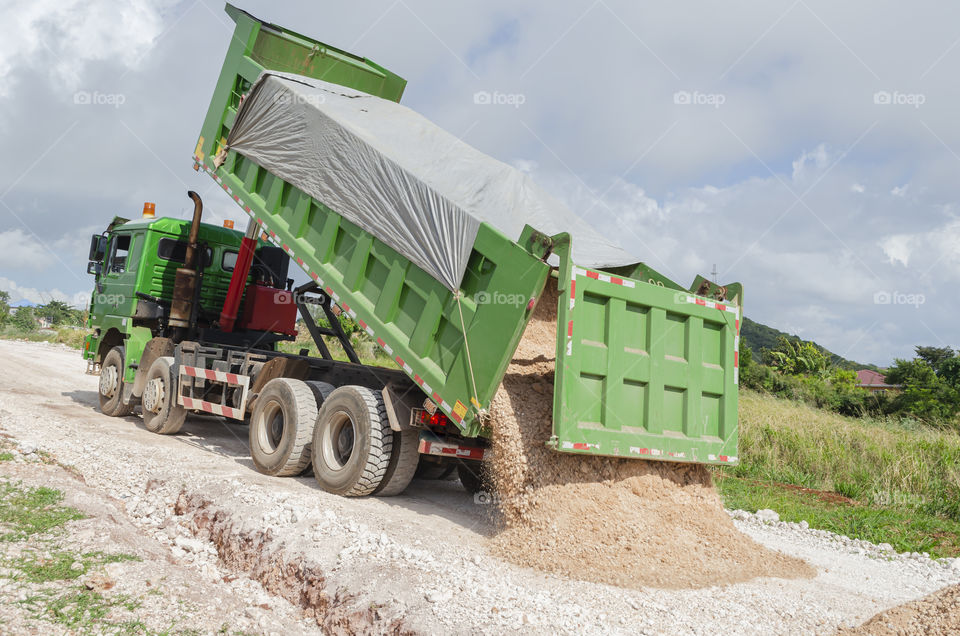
[905,529]
[72,337]
[33,568]
[903,477]
[28,511]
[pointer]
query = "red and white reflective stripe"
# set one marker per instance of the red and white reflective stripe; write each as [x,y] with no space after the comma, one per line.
[722,458]
[579,446]
[446,449]
[216,376]
[712,304]
[210,407]
[605,278]
[736,352]
[654,452]
[441,403]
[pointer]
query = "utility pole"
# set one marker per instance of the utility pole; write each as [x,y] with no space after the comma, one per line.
[714,274]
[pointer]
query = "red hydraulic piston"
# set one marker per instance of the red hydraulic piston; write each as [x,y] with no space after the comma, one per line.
[238,282]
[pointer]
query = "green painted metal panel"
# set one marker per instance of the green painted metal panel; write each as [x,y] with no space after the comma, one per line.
[257,46]
[645,369]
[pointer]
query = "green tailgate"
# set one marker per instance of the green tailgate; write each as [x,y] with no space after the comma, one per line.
[644,370]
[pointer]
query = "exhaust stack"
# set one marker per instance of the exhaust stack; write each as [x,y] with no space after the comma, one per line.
[185,284]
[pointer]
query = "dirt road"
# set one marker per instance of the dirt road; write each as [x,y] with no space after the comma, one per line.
[416,562]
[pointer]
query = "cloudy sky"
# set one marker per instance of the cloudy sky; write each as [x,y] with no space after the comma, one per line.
[808,149]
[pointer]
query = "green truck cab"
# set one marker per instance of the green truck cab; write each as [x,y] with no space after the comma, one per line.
[134,265]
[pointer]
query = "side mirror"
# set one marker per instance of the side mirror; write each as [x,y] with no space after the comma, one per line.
[98,248]
[93,267]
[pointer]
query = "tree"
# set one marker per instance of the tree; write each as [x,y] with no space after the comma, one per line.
[798,357]
[4,307]
[24,319]
[924,394]
[57,312]
[935,356]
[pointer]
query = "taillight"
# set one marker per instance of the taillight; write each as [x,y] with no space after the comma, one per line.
[426,419]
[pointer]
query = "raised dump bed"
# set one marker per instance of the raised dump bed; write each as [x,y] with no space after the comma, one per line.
[441,253]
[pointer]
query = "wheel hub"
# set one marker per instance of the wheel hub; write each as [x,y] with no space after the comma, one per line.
[108,381]
[153,395]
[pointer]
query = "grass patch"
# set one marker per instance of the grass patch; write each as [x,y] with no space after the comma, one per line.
[84,611]
[6,456]
[28,511]
[898,481]
[70,336]
[59,566]
[905,529]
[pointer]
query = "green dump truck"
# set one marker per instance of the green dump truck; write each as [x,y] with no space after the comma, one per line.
[438,252]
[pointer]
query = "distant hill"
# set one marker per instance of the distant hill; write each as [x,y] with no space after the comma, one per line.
[758,337]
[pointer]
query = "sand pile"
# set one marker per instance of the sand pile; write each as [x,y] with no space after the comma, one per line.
[623,522]
[938,613]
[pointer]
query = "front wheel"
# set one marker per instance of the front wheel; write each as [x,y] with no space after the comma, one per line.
[352,442]
[111,385]
[161,413]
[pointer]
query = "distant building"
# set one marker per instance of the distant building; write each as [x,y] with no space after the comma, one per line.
[874,382]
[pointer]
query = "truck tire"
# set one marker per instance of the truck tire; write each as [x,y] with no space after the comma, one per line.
[161,413]
[111,385]
[473,476]
[436,470]
[403,463]
[321,390]
[352,442]
[281,427]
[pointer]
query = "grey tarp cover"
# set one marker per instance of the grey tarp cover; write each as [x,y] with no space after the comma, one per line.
[394,173]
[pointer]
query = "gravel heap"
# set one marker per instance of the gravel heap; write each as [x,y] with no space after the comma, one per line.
[936,614]
[624,522]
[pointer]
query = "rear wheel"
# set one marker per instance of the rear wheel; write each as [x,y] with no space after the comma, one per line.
[111,385]
[428,469]
[403,463]
[161,413]
[352,442]
[281,427]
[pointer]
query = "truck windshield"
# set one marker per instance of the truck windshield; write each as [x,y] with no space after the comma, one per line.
[176,251]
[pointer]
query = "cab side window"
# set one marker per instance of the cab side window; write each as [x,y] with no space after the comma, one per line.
[119,252]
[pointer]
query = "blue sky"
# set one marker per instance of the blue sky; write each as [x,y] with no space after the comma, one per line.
[809,149]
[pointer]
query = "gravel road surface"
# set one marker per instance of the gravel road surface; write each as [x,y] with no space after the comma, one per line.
[417,562]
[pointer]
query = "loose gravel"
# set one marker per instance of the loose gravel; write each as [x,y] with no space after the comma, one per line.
[416,562]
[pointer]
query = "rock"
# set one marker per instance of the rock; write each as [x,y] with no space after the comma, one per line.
[954,564]
[740,515]
[885,547]
[76,566]
[767,516]
[26,448]
[804,525]
[98,581]
[438,596]
[189,545]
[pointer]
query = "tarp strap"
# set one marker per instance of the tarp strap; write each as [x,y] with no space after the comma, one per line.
[481,412]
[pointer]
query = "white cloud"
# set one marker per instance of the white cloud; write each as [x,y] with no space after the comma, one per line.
[59,37]
[20,293]
[897,248]
[900,191]
[857,188]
